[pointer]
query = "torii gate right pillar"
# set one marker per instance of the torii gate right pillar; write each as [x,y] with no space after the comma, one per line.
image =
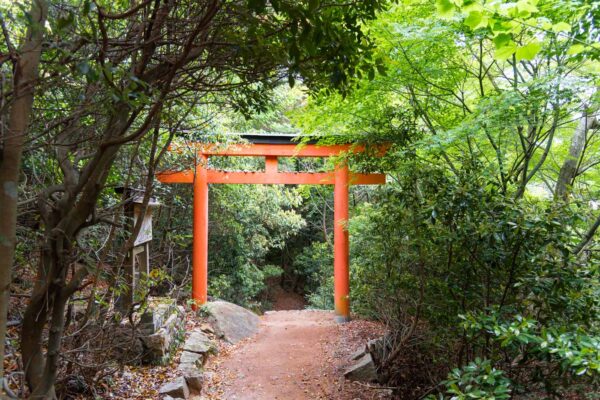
[341,248]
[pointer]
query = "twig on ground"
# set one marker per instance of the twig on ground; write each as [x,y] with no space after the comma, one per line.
[376,387]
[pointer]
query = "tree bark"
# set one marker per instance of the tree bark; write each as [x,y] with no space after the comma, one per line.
[568,171]
[26,61]
[588,236]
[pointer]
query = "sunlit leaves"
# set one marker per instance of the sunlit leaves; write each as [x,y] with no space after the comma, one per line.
[526,8]
[468,213]
[521,21]
[561,27]
[502,39]
[445,7]
[476,20]
[505,51]
[576,49]
[529,51]
[505,46]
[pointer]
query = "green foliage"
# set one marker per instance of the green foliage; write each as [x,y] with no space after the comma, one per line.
[476,380]
[516,28]
[244,285]
[574,351]
[445,248]
[246,224]
[316,264]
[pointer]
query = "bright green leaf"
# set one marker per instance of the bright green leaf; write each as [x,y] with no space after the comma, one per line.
[502,40]
[505,52]
[529,51]
[547,25]
[472,6]
[473,19]
[445,7]
[576,49]
[561,27]
[525,6]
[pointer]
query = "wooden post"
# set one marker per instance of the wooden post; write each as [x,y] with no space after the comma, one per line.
[200,240]
[341,247]
[271,165]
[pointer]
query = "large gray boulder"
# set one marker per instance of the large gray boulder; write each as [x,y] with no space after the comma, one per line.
[231,322]
[363,370]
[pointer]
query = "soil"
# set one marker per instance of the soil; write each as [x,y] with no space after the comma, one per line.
[285,300]
[296,355]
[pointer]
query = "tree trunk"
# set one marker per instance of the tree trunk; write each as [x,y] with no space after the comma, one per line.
[588,236]
[34,321]
[52,290]
[568,171]
[24,79]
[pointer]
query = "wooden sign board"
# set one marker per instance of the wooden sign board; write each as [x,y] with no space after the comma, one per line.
[145,233]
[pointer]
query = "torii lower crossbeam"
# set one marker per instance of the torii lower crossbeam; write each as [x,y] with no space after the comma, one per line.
[341,178]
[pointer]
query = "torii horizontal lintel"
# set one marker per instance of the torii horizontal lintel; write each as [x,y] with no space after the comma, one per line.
[281,150]
[270,178]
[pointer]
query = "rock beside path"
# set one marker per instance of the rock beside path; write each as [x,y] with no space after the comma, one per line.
[176,388]
[199,342]
[196,349]
[367,358]
[363,370]
[195,380]
[230,321]
[160,330]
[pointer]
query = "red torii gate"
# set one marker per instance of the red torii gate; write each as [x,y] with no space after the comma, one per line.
[272,147]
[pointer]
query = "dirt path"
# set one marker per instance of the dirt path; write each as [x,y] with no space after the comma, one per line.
[296,355]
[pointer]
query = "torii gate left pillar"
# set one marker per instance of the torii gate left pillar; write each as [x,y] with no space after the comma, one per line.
[341,178]
[200,233]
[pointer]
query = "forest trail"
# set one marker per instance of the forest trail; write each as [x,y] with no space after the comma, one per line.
[297,354]
[285,360]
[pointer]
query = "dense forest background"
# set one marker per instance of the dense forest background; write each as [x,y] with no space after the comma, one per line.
[480,254]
